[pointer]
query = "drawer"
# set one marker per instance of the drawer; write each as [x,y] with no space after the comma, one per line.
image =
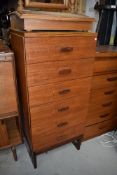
[45,141]
[60,115]
[49,72]
[102,95]
[103,106]
[100,128]
[104,81]
[51,48]
[58,91]
[104,65]
[99,116]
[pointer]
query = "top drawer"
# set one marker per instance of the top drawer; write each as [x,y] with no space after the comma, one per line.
[50,48]
[103,65]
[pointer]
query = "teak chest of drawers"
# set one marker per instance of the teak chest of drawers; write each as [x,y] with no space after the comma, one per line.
[55,70]
[10,130]
[102,114]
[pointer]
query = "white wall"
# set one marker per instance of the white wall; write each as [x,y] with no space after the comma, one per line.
[91,12]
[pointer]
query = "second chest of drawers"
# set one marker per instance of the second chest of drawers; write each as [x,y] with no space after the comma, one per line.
[103,100]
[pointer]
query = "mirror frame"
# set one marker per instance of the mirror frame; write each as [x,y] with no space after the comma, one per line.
[30,4]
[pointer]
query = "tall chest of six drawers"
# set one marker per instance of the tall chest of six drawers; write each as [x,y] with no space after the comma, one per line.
[54,71]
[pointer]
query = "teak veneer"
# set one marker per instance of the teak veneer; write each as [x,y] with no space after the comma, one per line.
[55,87]
[102,113]
[41,20]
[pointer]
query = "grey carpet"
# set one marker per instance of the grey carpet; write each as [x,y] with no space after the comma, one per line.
[92,159]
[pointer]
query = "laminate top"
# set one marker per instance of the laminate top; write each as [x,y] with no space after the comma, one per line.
[40,20]
[29,14]
[53,33]
[106,51]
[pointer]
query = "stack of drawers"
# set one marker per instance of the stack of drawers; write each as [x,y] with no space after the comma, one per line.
[58,71]
[103,101]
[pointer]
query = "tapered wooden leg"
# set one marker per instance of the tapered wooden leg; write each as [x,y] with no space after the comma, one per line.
[77,143]
[14,152]
[31,153]
[34,160]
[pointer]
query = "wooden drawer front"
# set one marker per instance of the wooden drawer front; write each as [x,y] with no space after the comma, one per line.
[61,115]
[105,65]
[51,48]
[60,91]
[7,89]
[104,81]
[44,141]
[99,116]
[100,128]
[102,95]
[58,71]
[103,106]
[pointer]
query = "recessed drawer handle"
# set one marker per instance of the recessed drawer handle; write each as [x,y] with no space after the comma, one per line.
[65,71]
[112,79]
[109,92]
[63,109]
[66,49]
[104,115]
[107,104]
[60,125]
[65,91]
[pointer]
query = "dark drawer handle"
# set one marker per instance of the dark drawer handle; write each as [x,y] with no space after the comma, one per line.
[63,109]
[107,104]
[65,71]
[66,49]
[112,79]
[65,91]
[104,115]
[60,125]
[109,92]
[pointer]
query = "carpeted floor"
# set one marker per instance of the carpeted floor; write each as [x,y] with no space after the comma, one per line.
[94,158]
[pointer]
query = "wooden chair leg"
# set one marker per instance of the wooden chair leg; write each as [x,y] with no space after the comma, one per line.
[13,149]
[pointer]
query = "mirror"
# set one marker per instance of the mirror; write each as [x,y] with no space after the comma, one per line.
[52,4]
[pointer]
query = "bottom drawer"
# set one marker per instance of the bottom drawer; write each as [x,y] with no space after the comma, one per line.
[100,128]
[44,142]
